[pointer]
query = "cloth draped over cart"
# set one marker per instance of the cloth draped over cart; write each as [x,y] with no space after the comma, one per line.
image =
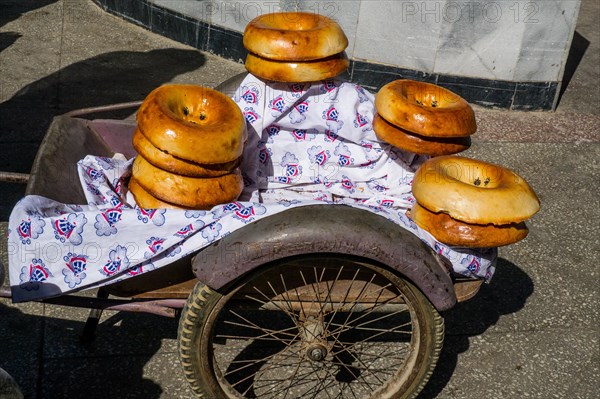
[307,144]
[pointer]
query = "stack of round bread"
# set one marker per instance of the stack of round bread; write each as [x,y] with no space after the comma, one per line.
[469,203]
[189,140]
[295,47]
[423,118]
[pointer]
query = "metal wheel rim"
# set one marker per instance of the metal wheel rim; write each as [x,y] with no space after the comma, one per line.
[317,381]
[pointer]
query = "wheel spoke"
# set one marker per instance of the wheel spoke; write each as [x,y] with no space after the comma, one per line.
[291,381]
[251,375]
[343,300]
[269,300]
[383,331]
[290,312]
[379,370]
[264,359]
[318,294]
[301,379]
[342,390]
[261,338]
[351,346]
[334,354]
[362,318]
[330,289]
[344,327]
[378,356]
[360,294]
[321,384]
[254,326]
[383,317]
[253,362]
[270,382]
[297,295]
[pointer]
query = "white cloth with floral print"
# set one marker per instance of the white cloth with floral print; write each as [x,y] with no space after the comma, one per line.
[307,144]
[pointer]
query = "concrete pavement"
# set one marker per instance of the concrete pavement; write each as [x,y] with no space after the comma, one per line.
[533,332]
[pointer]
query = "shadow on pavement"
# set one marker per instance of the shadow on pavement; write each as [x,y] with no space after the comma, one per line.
[507,293]
[578,48]
[114,77]
[46,358]
[7,39]
[114,364]
[13,9]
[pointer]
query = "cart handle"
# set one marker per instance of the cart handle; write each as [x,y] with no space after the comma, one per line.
[12,177]
[103,108]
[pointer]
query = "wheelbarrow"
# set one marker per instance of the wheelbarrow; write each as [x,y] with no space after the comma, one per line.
[317,301]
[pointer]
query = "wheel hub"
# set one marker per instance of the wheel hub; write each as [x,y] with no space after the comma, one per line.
[316,352]
[312,331]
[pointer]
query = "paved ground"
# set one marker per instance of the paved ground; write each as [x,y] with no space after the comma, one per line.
[533,332]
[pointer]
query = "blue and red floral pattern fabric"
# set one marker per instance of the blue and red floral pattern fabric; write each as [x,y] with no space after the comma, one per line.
[307,144]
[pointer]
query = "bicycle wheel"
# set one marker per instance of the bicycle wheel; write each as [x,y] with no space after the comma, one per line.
[311,327]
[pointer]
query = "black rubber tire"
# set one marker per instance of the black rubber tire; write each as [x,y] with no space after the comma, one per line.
[199,318]
[200,303]
[1,273]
